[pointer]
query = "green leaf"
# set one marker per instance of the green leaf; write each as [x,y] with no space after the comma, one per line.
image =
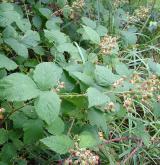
[23,24]
[47,75]
[122,69]
[104,76]
[132,39]
[8,152]
[37,21]
[60,144]
[18,87]
[18,47]
[95,97]
[97,118]
[33,131]
[156,109]
[48,106]
[88,139]
[7,63]
[8,17]
[9,32]
[55,36]
[88,80]
[154,67]
[45,12]
[31,38]
[54,23]
[67,47]
[39,50]
[3,136]
[88,22]
[56,127]
[141,132]
[91,35]
[101,30]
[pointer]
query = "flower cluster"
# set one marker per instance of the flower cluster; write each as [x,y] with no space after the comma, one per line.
[76,9]
[145,90]
[107,44]
[82,157]
[118,3]
[139,14]
[119,82]
[78,4]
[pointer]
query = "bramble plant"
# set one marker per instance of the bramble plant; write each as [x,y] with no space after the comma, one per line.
[79,82]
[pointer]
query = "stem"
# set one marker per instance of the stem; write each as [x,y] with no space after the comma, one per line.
[133,152]
[70,128]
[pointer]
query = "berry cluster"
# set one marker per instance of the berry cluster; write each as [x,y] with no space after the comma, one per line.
[145,90]
[82,157]
[108,44]
[118,3]
[140,14]
[78,4]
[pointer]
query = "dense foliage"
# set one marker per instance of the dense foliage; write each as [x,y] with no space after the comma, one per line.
[79,82]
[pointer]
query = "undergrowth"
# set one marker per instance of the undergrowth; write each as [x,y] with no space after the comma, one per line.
[79,82]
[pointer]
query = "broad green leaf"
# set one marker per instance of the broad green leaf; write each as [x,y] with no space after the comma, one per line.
[91,35]
[48,106]
[104,76]
[18,87]
[154,67]
[56,127]
[156,109]
[9,32]
[31,38]
[141,132]
[23,24]
[18,47]
[88,139]
[8,17]
[88,22]
[60,144]
[7,63]
[8,152]
[39,50]
[47,75]
[54,23]
[33,131]
[37,21]
[95,97]
[88,80]
[55,36]
[45,12]
[101,30]
[132,39]
[3,136]
[78,101]
[122,69]
[97,118]
[18,119]
[67,47]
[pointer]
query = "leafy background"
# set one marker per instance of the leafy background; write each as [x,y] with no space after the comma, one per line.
[79,82]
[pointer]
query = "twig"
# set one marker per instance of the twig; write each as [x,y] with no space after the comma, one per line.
[70,128]
[133,152]
[121,139]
